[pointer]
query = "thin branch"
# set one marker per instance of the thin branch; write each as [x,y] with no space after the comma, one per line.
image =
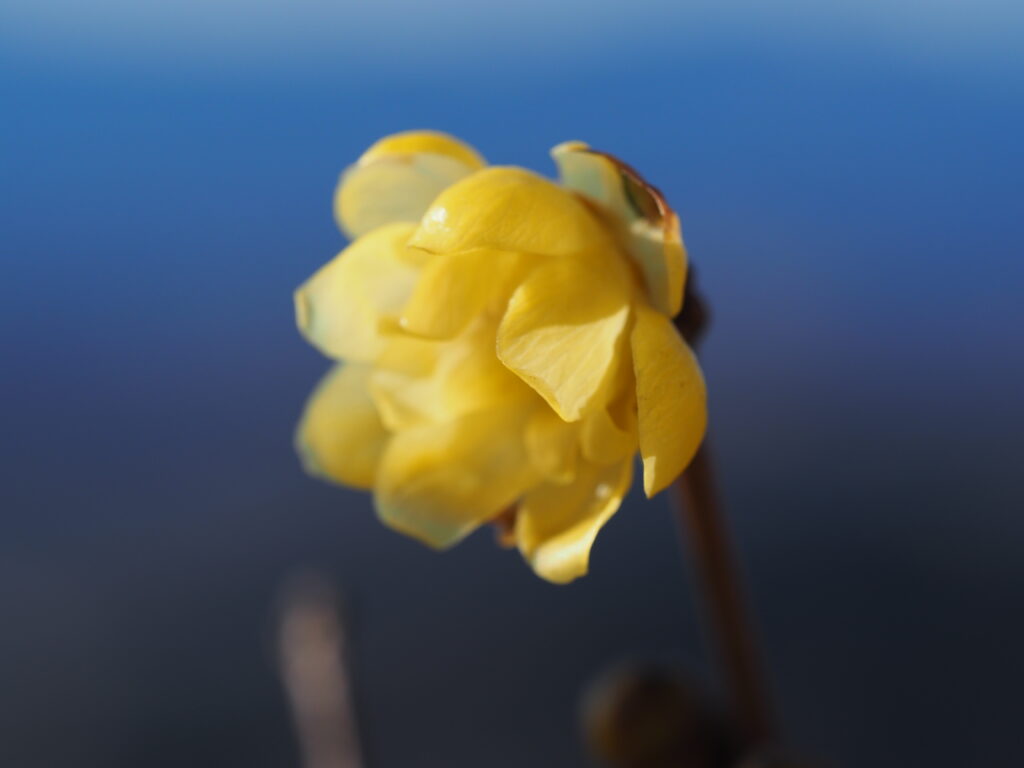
[706,530]
[311,650]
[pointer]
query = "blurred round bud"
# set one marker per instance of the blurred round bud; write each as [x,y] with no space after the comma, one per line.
[652,717]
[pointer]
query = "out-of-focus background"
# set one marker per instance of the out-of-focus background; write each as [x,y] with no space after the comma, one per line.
[850,178]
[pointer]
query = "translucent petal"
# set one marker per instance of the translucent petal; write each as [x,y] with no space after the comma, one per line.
[511,209]
[561,334]
[340,437]
[556,524]
[650,228]
[553,445]
[455,288]
[398,178]
[593,175]
[340,309]
[671,399]
[437,482]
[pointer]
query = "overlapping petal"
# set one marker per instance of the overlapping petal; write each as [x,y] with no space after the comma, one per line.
[398,177]
[341,308]
[340,435]
[553,445]
[456,288]
[418,380]
[608,435]
[650,228]
[556,524]
[423,143]
[511,209]
[671,398]
[402,383]
[561,335]
[439,481]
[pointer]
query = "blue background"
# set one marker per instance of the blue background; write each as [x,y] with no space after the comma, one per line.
[850,184]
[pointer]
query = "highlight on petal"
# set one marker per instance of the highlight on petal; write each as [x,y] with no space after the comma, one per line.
[671,399]
[398,177]
[553,445]
[340,436]
[651,229]
[556,524]
[511,209]
[341,308]
[437,482]
[455,288]
[561,335]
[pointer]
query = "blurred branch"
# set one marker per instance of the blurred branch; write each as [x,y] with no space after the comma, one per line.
[311,642]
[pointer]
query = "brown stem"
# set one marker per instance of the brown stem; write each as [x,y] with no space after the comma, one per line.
[707,534]
[718,578]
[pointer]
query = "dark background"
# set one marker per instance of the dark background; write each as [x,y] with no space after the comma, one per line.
[851,192]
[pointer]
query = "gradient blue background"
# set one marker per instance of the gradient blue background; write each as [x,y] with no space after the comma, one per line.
[851,184]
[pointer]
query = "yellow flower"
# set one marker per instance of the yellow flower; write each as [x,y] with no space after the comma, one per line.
[507,344]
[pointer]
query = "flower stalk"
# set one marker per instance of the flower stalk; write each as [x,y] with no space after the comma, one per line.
[705,532]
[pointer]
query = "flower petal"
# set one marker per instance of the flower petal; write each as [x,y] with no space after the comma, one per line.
[553,445]
[419,380]
[340,436]
[424,143]
[455,288]
[511,209]
[671,399]
[437,482]
[651,229]
[556,524]
[561,335]
[402,385]
[398,177]
[608,434]
[340,308]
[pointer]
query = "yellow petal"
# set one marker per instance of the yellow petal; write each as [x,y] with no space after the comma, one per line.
[608,435]
[556,524]
[659,251]
[340,437]
[650,228]
[561,334]
[593,175]
[511,209]
[341,308]
[398,178]
[437,482]
[402,383]
[455,288]
[419,380]
[553,445]
[424,142]
[470,376]
[671,399]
